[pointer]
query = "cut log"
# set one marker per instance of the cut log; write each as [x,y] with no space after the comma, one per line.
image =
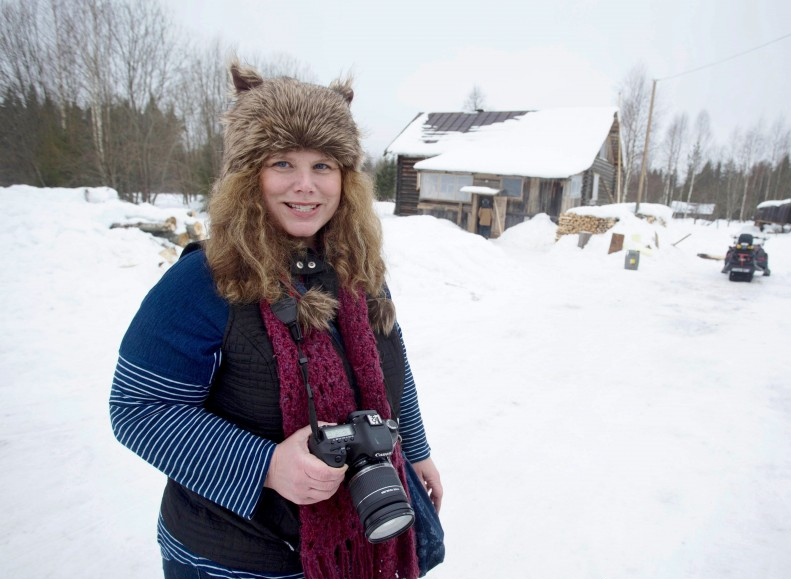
[182,239]
[160,229]
[196,231]
[165,229]
[169,255]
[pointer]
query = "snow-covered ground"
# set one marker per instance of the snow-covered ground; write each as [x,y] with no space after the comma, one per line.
[589,421]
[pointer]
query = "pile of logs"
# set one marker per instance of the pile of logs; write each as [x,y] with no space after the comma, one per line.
[167,229]
[569,223]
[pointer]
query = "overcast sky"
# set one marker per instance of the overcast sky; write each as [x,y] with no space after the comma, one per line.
[415,56]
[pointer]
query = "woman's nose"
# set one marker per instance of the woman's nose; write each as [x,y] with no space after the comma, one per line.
[303,180]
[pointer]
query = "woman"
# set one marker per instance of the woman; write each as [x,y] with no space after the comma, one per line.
[208,386]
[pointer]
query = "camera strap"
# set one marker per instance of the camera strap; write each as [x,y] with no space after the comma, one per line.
[285,310]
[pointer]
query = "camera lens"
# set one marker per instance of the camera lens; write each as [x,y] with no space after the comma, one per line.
[381,502]
[390,522]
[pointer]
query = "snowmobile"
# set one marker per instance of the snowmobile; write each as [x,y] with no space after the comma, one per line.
[744,258]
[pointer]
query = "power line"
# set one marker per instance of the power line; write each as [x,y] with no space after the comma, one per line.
[726,59]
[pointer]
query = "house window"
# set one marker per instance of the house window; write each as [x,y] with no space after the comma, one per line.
[444,187]
[605,151]
[595,193]
[512,187]
[575,188]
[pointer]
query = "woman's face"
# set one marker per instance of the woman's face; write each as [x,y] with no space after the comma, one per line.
[302,190]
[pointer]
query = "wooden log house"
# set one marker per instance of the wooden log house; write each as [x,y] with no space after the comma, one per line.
[527,162]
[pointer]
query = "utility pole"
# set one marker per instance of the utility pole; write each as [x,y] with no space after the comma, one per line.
[645,149]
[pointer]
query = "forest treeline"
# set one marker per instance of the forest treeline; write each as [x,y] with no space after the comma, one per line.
[103,93]
[108,92]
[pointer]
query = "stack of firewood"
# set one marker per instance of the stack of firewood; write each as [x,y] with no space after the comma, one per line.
[569,223]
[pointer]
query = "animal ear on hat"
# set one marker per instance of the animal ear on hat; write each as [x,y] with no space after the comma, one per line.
[344,88]
[244,78]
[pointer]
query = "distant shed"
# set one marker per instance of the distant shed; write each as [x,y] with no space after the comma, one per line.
[681,209]
[778,212]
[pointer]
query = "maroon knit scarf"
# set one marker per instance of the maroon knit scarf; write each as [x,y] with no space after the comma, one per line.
[332,537]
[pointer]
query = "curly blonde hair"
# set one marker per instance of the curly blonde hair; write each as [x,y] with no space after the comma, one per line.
[250,255]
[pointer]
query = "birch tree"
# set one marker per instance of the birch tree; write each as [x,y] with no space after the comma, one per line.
[752,149]
[22,58]
[144,50]
[697,154]
[748,149]
[95,62]
[675,138]
[475,100]
[731,181]
[635,96]
[200,99]
[61,52]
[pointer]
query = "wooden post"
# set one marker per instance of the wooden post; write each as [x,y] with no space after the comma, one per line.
[645,150]
[616,243]
[473,221]
[500,208]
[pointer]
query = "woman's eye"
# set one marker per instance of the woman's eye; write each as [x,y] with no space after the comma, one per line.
[280,164]
[322,166]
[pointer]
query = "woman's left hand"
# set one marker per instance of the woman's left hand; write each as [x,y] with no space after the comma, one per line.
[429,476]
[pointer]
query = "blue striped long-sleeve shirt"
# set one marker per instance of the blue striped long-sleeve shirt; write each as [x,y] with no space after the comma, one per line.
[166,365]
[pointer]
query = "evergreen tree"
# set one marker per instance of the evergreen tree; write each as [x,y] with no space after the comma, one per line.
[385,179]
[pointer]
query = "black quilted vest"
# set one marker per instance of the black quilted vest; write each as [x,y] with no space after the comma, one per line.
[246,391]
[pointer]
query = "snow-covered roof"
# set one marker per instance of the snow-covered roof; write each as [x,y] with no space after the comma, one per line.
[551,143]
[430,134]
[773,203]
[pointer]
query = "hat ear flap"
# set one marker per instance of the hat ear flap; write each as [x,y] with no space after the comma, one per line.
[244,79]
[344,88]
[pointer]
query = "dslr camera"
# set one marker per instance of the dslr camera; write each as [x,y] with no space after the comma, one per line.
[365,442]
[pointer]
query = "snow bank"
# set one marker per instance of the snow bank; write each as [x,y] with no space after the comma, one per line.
[625,423]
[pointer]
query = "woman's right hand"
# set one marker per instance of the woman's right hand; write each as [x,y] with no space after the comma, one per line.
[300,477]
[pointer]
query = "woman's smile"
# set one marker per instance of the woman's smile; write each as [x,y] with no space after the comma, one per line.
[302,208]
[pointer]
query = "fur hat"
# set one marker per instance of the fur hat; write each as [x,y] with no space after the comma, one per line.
[280,114]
